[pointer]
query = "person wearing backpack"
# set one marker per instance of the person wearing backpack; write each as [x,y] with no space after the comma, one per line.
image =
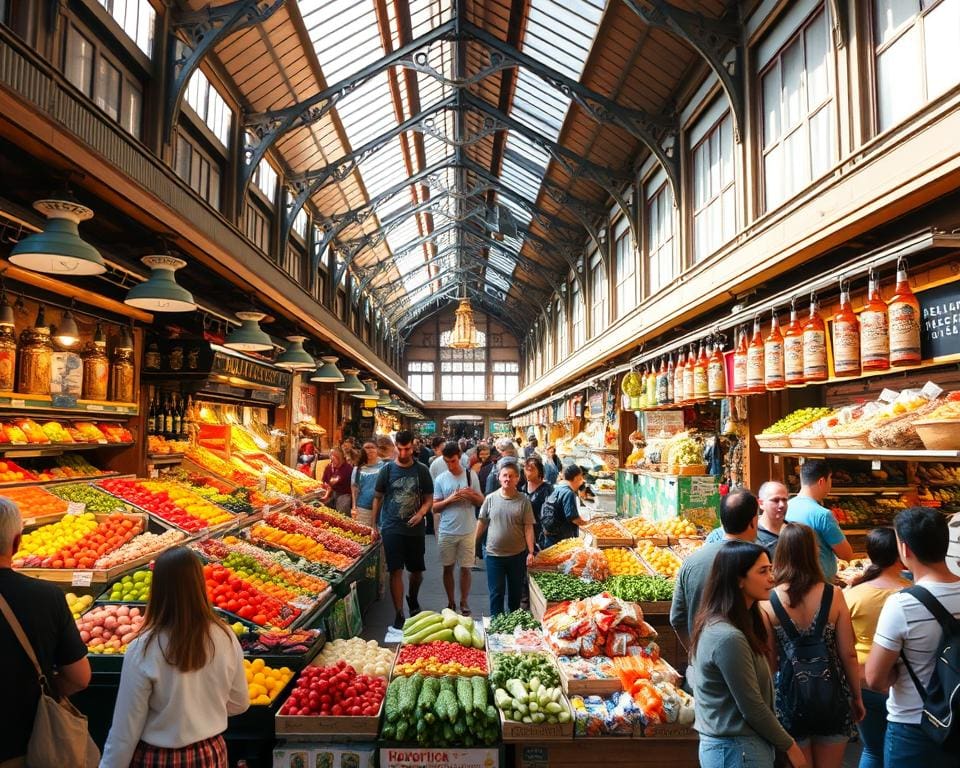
[817,680]
[915,649]
[560,514]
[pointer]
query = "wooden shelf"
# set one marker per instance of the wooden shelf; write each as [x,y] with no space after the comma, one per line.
[865,455]
[165,458]
[44,403]
[872,491]
[54,449]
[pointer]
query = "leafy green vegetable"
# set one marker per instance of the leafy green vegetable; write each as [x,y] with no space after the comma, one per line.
[523,666]
[559,586]
[640,589]
[505,623]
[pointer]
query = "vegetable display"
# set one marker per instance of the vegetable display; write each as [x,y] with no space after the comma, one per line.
[640,589]
[440,712]
[505,623]
[365,656]
[440,658]
[560,586]
[795,421]
[660,559]
[595,626]
[239,597]
[335,690]
[448,626]
[530,701]
[623,562]
[523,666]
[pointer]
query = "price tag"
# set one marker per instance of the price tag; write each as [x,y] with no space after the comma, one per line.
[18,403]
[76,508]
[931,391]
[91,407]
[82,579]
[888,395]
[303,603]
[267,508]
[875,464]
[203,532]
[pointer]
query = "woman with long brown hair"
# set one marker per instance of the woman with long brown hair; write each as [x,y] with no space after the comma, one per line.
[732,686]
[805,611]
[182,677]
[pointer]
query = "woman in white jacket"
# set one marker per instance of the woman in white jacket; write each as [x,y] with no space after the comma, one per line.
[182,677]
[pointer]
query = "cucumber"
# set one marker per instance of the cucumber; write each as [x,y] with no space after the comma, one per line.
[450,619]
[553,708]
[462,635]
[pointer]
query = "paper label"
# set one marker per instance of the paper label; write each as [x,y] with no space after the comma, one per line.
[888,395]
[874,337]
[82,579]
[303,603]
[76,508]
[931,391]
[814,354]
[875,465]
[95,408]
[17,403]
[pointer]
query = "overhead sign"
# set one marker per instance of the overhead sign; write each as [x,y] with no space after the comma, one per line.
[428,427]
[940,321]
[501,428]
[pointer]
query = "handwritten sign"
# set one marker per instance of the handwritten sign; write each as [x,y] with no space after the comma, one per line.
[76,508]
[82,579]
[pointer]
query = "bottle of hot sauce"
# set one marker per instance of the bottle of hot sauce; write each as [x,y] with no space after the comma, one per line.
[846,336]
[755,378]
[793,350]
[903,310]
[671,378]
[679,395]
[773,374]
[814,345]
[688,374]
[716,372]
[874,329]
[740,364]
[701,389]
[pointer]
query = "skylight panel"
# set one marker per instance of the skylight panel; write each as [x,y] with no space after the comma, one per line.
[345,35]
[560,33]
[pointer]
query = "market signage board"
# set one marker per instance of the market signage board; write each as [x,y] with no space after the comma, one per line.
[428,427]
[662,423]
[402,757]
[940,321]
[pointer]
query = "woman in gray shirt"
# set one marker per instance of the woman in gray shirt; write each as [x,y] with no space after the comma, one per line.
[730,675]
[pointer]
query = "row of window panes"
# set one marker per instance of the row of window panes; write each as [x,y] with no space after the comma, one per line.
[257,227]
[137,18]
[210,106]
[455,386]
[197,168]
[461,367]
[505,386]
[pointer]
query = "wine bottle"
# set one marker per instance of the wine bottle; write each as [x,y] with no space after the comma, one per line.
[151,414]
[183,418]
[814,345]
[874,329]
[755,378]
[158,416]
[689,390]
[175,419]
[903,310]
[846,336]
[773,371]
[167,418]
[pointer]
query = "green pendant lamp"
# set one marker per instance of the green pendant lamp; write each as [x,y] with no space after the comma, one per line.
[369,391]
[384,398]
[350,381]
[295,357]
[394,404]
[249,337]
[58,249]
[161,293]
[328,372]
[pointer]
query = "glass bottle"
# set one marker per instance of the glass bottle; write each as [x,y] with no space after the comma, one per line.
[167,418]
[874,329]
[793,350]
[96,367]
[846,336]
[671,379]
[689,390]
[740,364]
[662,383]
[643,387]
[678,369]
[716,372]
[151,415]
[175,418]
[814,345]
[36,351]
[773,373]
[652,385]
[701,388]
[903,311]
[755,378]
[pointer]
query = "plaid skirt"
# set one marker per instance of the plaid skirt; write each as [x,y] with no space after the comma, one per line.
[209,753]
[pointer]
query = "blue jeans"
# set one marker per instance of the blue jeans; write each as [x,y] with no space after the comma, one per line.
[735,752]
[505,576]
[873,728]
[907,745]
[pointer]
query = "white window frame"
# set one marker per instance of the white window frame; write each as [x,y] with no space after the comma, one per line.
[599,288]
[661,234]
[578,318]
[625,267]
[562,333]
[209,105]
[506,380]
[137,18]
[715,217]
[420,378]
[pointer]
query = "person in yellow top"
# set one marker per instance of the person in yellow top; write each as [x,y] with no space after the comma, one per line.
[865,597]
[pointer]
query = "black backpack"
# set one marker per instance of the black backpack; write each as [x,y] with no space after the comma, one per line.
[552,516]
[941,697]
[810,680]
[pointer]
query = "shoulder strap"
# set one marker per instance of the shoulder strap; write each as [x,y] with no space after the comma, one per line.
[826,600]
[947,622]
[22,637]
[785,621]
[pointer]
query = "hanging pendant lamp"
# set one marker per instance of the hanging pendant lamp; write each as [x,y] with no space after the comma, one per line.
[369,391]
[58,249]
[350,381]
[67,332]
[249,337]
[464,334]
[327,371]
[6,310]
[160,292]
[384,398]
[295,357]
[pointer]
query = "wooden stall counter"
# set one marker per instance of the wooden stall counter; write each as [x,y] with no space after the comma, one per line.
[611,752]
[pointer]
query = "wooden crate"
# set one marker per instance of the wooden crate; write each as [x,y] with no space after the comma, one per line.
[525,732]
[611,752]
[599,686]
[295,725]
[538,603]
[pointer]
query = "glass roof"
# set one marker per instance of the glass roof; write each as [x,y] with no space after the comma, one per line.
[349,36]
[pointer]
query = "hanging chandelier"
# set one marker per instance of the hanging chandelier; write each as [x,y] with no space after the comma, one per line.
[464,334]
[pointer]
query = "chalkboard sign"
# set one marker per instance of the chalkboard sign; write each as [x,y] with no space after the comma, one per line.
[940,321]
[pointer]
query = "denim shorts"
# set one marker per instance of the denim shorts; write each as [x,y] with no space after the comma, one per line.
[735,752]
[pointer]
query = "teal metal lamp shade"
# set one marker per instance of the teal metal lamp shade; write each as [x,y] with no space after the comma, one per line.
[350,381]
[161,293]
[328,372]
[295,357]
[58,249]
[394,404]
[249,337]
[369,391]
[384,398]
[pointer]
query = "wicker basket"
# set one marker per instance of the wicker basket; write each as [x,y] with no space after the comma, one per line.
[772,441]
[939,434]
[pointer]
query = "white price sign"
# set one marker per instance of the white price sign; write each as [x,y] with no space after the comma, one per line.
[82,579]
[76,508]
[657,423]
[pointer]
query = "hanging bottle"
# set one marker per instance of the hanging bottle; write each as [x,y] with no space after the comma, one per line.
[643,387]
[740,364]
[671,379]
[793,350]
[678,369]
[846,336]
[689,390]
[662,383]
[773,372]
[874,329]
[903,311]
[814,345]
[701,388]
[755,378]
[716,371]
[652,385]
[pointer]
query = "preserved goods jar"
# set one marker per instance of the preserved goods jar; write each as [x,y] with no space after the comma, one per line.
[740,364]
[846,336]
[874,330]
[716,373]
[689,391]
[793,350]
[755,378]
[8,358]
[96,368]
[121,376]
[36,352]
[903,311]
[151,360]
[701,387]
[773,372]
[814,345]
